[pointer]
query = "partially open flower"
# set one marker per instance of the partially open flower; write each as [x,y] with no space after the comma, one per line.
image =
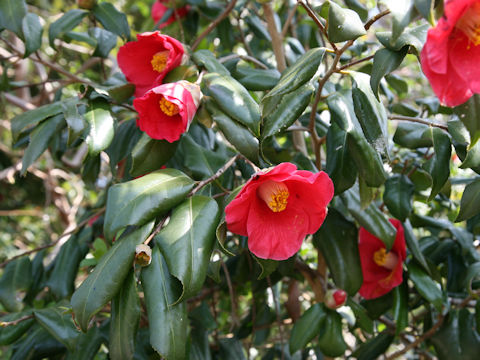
[277,208]
[166,111]
[159,9]
[382,270]
[335,298]
[451,53]
[146,62]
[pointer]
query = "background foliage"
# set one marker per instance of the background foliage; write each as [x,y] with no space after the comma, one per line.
[326,85]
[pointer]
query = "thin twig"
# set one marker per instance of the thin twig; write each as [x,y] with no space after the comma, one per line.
[355,62]
[243,57]
[231,291]
[370,22]
[156,231]
[317,20]
[291,14]
[213,24]
[15,322]
[418,120]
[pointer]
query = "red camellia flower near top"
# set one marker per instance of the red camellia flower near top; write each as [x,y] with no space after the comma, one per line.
[382,270]
[452,51]
[146,62]
[166,111]
[159,10]
[277,208]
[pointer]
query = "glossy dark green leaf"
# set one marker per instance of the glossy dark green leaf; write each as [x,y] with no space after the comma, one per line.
[371,113]
[112,19]
[236,134]
[126,137]
[9,334]
[470,203]
[400,307]
[37,341]
[87,345]
[439,165]
[340,166]
[106,41]
[138,201]
[362,318]
[187,242]
[101,129]
[412,135]
[359,8]
[343,24]
[258,27]
[371,218]
[32,31]
[257,79]
[206,59]
[12,13]
[384,62]
[62,277]
[39,139]
[168,323]
[298,74]
[121,93]
[331,341]
[67,22]
[268,267]
[415,37]
[400,85]
[16,277]
[402,13]
[425,285]
[337,239]
[107,278]
[149,155]
[58,322]
[374,347]
[398,196]
[413,245]
[234,100]
[306,327]
[232,349]
[124,320]
[425,7]
[468,113]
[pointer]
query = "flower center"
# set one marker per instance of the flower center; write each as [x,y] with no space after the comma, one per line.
[387,260]
[168,107]
[274,194]
[159,61]
[469,23]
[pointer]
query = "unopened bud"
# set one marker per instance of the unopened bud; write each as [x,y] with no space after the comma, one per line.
[143,255]
[86,4]
[335,298]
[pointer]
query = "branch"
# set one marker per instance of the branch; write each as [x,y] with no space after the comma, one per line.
[288,22]
[355,62]
[213,24]
[317,20]
[15,322]
[156,231]
[418,120]
[370,22]
[277,40]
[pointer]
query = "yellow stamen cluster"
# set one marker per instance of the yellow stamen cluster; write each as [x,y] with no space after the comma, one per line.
[168,107]
[387,260]
[469,23]
[159,61]
[274,194]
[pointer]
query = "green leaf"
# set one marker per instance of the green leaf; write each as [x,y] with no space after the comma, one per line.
[415,37]
[112,19]
[439,165]
[257,79]
[187,242]
[402,13]
[371,218]
[362,318]
[384,62]
[101,130]
[16,277]
[124,320]
[76,123]
[39,139]
[343,24]
[126,137]
[87,345]
[12,13]
[168,323]
[398,196]
[62,277]
[468,113]
[138,201]
[206,59]
[298,74]
[58,322]
[412,135]
[268,267]
[107,278]
[340,166]
[374,347]
[291,107]
[370,112]
[234,100]
[106,41]
[9,334]
[306,328]
[470,203]
[149,155]
[331,341]
[337,239]
[32,31]
[121,93]
[425,7]
[413,246]
[236,134]
[359,8]
[36,341]
[64,24]
[231,348]
[425,285]
[400,307]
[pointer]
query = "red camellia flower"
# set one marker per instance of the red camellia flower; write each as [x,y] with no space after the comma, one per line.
[159,10]
[277,208]
[146,62]
[452,51]
[382,270]
[166,111]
